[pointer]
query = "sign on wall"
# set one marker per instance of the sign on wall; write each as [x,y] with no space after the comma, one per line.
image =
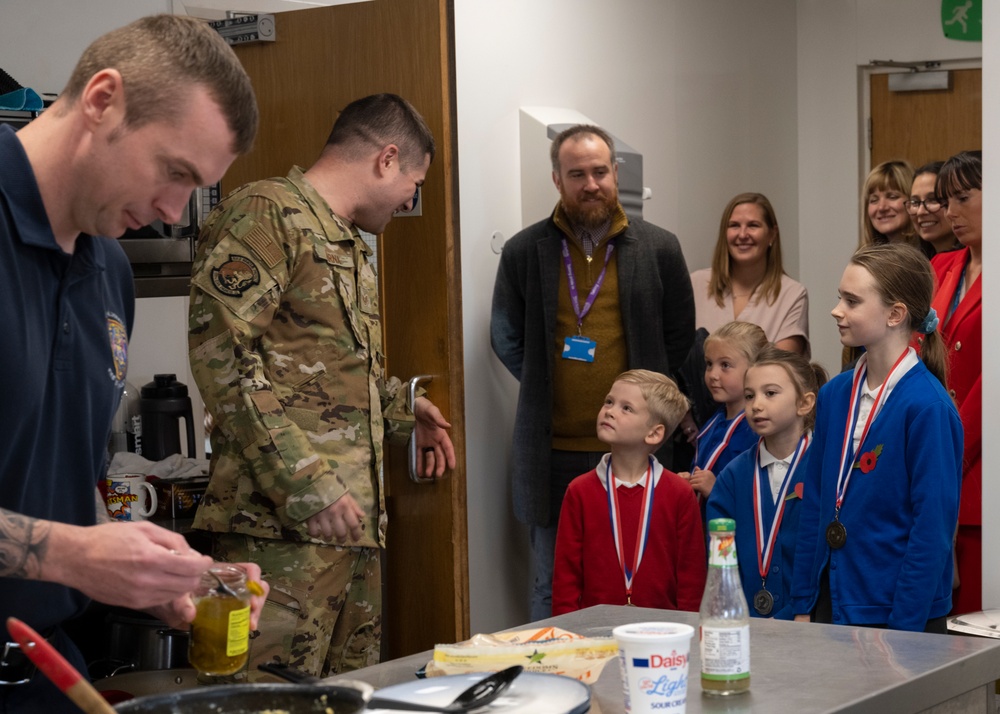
[962,20]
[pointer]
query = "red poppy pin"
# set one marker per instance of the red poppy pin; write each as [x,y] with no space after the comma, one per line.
[796,492]
[868,460]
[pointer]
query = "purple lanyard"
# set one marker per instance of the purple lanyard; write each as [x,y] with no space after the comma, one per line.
[571,279]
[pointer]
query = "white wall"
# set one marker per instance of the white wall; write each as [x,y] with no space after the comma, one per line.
[991,296]
[707,93]
[42,39]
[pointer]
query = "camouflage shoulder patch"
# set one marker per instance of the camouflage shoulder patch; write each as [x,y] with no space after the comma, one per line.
[235,275]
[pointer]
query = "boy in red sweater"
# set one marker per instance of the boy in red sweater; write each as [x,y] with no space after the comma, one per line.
[638,541]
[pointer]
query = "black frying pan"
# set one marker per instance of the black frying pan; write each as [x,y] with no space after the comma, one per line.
[250,699]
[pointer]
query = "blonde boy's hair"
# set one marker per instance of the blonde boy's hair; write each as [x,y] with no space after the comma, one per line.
[746,337]
[667,405]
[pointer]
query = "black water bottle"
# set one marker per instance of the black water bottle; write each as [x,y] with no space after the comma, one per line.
[163,403]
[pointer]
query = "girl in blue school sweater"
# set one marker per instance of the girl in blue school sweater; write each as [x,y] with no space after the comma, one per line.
[728,354]
[880,505]
[761,489]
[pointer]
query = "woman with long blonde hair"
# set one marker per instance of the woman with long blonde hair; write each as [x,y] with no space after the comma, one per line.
[747,280]
[884,218]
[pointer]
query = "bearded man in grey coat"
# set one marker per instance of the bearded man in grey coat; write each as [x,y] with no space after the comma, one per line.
[579,298]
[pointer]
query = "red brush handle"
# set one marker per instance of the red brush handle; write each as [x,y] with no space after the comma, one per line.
[56,668]
[44,655]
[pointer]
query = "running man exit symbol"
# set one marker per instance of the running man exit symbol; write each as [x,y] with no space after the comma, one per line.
[962,20]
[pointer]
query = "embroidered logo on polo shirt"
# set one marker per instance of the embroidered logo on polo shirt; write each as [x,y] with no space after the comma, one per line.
[235,276]
[118,337]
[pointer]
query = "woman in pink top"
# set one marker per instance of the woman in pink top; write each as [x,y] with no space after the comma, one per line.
[747,280]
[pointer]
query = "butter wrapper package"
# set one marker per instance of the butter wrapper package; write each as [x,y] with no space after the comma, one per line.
[549,650]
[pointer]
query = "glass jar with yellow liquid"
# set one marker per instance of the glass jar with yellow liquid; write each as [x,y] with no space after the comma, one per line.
[220,633]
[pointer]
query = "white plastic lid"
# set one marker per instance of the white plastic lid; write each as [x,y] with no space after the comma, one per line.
[649,631]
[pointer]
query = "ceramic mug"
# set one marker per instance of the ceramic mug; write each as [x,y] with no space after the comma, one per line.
[125,494]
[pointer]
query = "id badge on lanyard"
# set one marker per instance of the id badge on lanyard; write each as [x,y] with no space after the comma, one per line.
[578,347]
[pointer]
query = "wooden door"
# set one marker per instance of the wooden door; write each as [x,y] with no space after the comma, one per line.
[926,125]
[321,60]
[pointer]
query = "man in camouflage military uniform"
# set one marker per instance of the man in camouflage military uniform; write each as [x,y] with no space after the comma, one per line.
[286,347]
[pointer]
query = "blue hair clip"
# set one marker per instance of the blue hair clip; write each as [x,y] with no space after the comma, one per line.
[930,323]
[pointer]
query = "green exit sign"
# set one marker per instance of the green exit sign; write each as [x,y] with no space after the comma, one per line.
[962,20]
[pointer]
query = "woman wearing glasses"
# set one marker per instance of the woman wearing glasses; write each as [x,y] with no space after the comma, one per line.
[958,302]
[924,207]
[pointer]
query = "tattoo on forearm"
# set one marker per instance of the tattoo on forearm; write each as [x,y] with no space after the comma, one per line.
[23,543]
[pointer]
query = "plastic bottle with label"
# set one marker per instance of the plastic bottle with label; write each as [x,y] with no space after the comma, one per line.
[724,617]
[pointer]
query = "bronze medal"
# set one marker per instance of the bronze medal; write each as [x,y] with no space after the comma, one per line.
[836,535]
[763,602]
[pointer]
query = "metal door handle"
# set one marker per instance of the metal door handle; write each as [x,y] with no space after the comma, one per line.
[411,397]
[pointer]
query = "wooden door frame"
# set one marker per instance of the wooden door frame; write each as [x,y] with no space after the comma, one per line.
[865,73]
[447,391]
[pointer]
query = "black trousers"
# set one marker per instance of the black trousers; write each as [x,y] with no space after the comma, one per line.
[823,612]
[40,695]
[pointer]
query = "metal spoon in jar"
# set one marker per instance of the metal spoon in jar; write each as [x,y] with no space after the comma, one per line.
[478,695]
[222,587]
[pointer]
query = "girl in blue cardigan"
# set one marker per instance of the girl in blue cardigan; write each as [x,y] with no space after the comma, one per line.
[761,489]
[729,350]
[880,504]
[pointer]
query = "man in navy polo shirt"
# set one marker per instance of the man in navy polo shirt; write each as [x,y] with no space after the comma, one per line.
[152,111]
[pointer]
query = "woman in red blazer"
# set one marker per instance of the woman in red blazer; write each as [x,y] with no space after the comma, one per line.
[958,302]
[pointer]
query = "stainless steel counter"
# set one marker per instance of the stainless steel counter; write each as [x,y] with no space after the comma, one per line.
[799,668]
